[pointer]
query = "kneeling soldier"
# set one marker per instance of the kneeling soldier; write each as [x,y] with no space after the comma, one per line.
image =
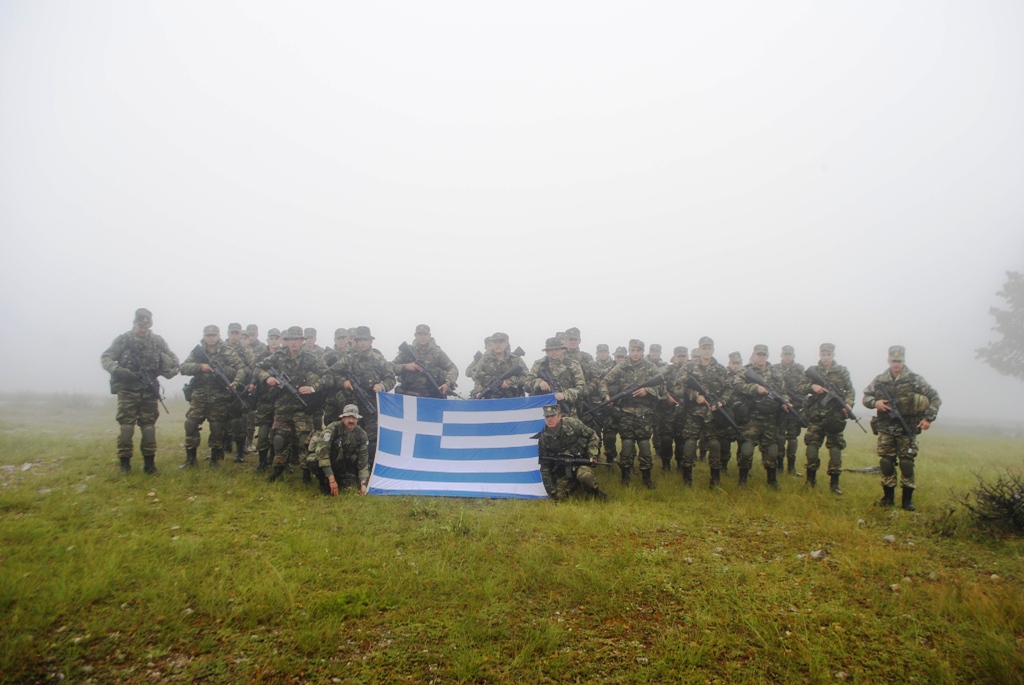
[564,436]
[340,453]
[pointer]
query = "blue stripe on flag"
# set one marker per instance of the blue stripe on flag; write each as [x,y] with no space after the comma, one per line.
[452,493]
[486,429]
[390,404]
[435,477]
[500,405]
[429,447]
[389,441]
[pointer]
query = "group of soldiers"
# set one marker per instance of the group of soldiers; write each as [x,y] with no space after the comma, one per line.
[274,398]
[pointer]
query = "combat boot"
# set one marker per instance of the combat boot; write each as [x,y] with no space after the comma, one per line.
[240,453]
[688,476]
[264,461]
[307,477]
[227,443]
[666,464]
[773,478]
[278,470]
[599,495]
[834,484]
[792,467]
[625,474]
[725,466]
[190,458]
[908,496]
[888,497]
[149,465]
[812,478]
[216,456]
[645,474]
[742,482]
[716,477]
[126,465]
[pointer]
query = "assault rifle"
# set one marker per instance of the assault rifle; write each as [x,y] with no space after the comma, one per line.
[657,380]
[146,376]
[695,385]
[519,352]
[362,397]
[285,382]
[774,394]
[218,372]
[894,412]
[569,461]
[832,395]
[496,382]
[545,375]
[406,349]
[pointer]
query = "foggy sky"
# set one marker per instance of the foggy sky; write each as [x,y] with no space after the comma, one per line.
[779,173]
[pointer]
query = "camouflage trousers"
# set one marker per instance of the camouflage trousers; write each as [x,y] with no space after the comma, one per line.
[264,419]
[789,434]
[561,482]
[369,424]
[291,437]
[818,434]
[893,450]
[236,421]
[761,432]
[346,473]
[206,407]
[635,427]
[695,428]
[136,408]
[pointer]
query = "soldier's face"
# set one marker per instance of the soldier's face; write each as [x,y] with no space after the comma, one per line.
[707,352]
[573,343]
[760,359]
[553,421]
[234,337]
[499,346]
[274,342]
[349,422]
[655,354]
[422,338]
[211,339]
[341,342]
[826,358]
[363,344]
[787,358]
[635,353]
[309,342]
[619,359]
[140,331]
[294,345]
[895,367]
[602,355]
[735,366]
[555,353]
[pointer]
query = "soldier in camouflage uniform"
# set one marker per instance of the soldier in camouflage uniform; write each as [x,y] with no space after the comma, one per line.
[636,412]
[251,338]
[789,424]
[739,410]
[132,357]
[236,420]
[672,415]
[826,419]
[566,435]
[316,404]
[919,404]
[478,356]
[410,375]
[210,397]
[366,368]
[339,452]
[566,374]
[264,400]
[603,363]
[763,429]
[701,418]
[293,422]
[591,378]
[496,362]
[342,344]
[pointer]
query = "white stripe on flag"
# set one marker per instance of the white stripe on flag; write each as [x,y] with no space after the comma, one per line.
[462,466]
[506,416]
[479,442]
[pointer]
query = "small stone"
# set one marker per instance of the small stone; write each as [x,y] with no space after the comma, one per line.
[861,522]
[933,576]
[818,554]
[801,556]
[151,493]
[26,466]
[191,499]
[907,580]
[895,587]
[994,576]
[889,538]
[175,527]
[841,675]
[173,538]
[70,547]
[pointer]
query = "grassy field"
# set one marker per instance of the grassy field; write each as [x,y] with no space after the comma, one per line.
[217,576]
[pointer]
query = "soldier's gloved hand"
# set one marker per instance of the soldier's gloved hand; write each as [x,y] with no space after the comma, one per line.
[120,373]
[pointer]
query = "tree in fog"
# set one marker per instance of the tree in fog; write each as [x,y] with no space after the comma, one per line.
[1007,355]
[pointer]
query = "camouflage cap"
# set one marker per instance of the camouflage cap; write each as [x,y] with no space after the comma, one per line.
[293,332]
[253,330]
[705,341]
[274,333]
[341,333]
[602,347]
[826,347]
[736,357]
[352,331]
[363,333]
[636,342]
[655,347]
[350,410]
[681,351]
[554,344]
[423,328]
[499,336]
[760,349]
[552,409]
[788,349]
[488,340]
[309,333]
[620,351]
[897,353]
[144,317]
[234,328]
[212,329]
[572,332]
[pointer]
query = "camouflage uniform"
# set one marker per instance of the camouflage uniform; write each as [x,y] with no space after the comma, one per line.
[293,422]
[701,421]
[136,404]
[917,401]
[604,419]
[490,367]
[210,398]
[365,368]
[740,413]
[264,396]
[826,420]
[341,453]
[635,414]
[258,350]
[763,428]
[237,412]
[437,364]
[317,401]
[568,374]
[670,416]
[789,424]
[571,437]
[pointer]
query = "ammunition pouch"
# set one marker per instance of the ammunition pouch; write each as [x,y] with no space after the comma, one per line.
[874,425]
[188,389]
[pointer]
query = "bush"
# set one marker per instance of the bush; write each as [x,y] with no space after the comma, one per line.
[1000,503]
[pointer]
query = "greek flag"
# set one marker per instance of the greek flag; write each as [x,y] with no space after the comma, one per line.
[458,448]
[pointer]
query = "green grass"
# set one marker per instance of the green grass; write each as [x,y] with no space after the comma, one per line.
[220,577]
